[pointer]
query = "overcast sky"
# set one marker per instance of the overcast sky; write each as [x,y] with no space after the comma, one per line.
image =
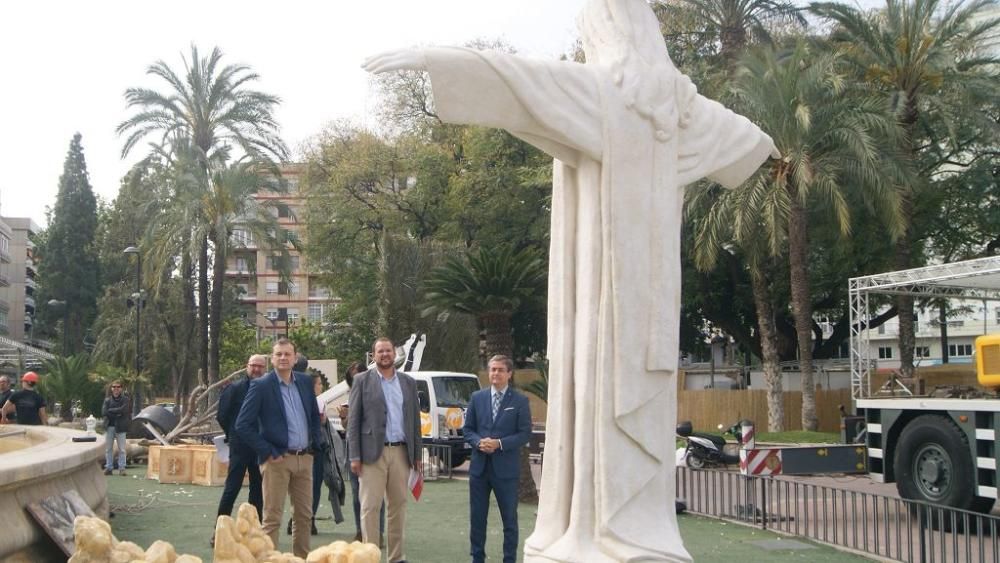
[65,66]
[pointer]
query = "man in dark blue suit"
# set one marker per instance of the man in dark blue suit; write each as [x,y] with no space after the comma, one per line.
[280,421]
[242,458]
[497,426]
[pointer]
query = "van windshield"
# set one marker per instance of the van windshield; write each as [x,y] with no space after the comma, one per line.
[454,391]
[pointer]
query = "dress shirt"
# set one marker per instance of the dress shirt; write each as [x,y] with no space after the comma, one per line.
[393,393]
[295,416]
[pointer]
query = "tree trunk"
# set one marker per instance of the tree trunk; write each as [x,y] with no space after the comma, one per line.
[498,337]
[943,324]
[215,309]
[203,291]
[802,309]
[733,41]
[769,352]
[904,246]
[904,303]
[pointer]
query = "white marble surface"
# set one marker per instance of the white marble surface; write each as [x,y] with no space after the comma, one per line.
[627,131]
[53,464]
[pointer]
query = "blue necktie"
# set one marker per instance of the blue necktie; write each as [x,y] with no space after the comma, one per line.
[497,397]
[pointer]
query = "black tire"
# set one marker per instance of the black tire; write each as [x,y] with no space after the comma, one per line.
[458,459]
[693,461]
[934,464]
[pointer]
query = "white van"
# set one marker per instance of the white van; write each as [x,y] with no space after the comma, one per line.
[444,397]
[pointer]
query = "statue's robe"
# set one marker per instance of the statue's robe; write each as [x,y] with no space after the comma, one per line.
[607,490]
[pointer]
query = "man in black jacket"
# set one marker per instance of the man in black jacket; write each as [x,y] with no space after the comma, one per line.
[117,411]
[241,456]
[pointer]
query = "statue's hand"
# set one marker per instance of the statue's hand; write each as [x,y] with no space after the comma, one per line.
[400,59]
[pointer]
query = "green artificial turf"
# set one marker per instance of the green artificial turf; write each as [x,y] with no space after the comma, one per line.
[436,527]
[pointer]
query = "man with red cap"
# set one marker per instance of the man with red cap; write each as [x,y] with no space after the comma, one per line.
[29,405]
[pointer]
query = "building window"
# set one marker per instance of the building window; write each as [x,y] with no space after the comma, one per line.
[956,350]
[922,351]
[315,312]
[291,288]
[242,237]
[241,265]
[998,315]
[272,314]
[316,290]
[885,352]
[243,288]
[271,288]
[292,315]
[881,329]
[275,262]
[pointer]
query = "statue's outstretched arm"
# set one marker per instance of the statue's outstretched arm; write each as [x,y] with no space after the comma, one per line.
[398,59]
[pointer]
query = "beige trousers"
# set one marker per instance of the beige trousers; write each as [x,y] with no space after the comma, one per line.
[289,475]
[386,478]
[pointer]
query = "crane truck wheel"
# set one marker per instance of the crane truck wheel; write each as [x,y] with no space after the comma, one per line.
[933,464]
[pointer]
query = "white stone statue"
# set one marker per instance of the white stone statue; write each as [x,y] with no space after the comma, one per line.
[627,131]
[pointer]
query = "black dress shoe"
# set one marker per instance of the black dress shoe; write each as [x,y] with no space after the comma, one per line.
[313,531]
[289,527]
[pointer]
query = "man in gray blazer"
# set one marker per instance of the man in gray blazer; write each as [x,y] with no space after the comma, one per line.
[383,435]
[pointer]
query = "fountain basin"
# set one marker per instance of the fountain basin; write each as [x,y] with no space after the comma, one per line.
[37,462]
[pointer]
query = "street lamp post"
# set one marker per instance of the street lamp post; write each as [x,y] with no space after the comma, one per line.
[65,308]
[137,301]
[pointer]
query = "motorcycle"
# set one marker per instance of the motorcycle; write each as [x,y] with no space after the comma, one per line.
[707,450]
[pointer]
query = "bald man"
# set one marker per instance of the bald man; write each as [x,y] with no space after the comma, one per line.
[241,456]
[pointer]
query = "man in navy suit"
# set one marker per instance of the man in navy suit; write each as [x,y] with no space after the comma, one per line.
[497,426]
[242,458]
[280,421]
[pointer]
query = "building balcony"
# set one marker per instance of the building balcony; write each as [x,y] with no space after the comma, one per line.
[30,282]
[4,256]
[29,303]
[4,280]
[4,306]
[29,266]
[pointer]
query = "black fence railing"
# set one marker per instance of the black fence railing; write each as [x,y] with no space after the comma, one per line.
[437,462]
[883,526]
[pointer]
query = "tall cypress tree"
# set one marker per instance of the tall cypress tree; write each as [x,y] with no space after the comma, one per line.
[68,270]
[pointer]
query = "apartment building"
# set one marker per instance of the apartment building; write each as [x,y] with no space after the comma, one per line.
[968,320]
[272,303]
[5,265]
[21,272]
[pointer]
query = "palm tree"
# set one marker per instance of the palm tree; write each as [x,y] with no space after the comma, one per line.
[67,380]
[833,144]
[210,109]
[927,61]
[490,285]
[737,23]
[196,215]
[713,216]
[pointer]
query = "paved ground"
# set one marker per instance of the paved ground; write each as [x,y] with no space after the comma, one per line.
[845,510]
[436,526]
